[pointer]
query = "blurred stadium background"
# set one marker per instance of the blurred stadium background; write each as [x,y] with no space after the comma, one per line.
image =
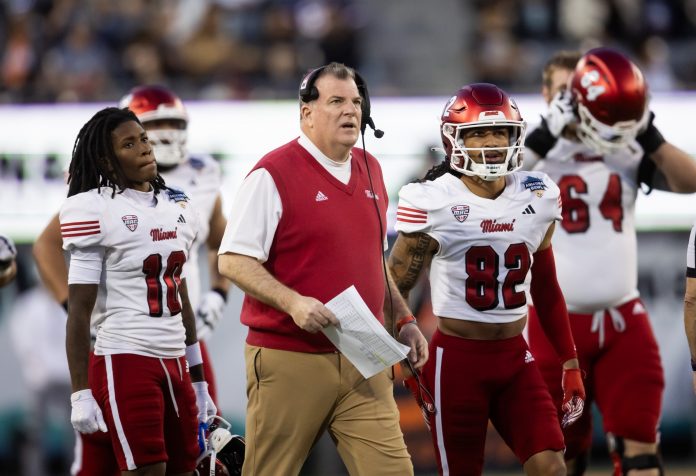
[237,65]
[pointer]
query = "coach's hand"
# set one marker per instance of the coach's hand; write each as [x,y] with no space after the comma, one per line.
[86,416]
[205,404]
[411,336]
[311,315]
[573,396]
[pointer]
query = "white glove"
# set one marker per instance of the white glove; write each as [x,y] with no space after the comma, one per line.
[8,250]
[209,314]
[86,416]
[205,404]
[560,112]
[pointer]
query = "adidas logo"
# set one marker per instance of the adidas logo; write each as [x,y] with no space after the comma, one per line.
[529,210]
[181,219]
[320,197]
[638,309]
[528,357]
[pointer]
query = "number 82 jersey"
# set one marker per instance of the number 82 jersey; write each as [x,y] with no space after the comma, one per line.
[481,269]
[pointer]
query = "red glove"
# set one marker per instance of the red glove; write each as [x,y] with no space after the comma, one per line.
[573,396]
[422,396]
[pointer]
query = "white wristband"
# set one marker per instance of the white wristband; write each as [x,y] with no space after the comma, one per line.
[193,354]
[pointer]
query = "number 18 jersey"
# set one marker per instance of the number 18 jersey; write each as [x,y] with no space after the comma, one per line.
[145,240]
[481,269]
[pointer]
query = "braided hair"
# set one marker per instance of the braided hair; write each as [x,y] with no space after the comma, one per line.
[94,163]
[439,170]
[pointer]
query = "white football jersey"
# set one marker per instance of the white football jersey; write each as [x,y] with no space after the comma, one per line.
[481,269]
[691,254]
[146,243]
[199,177]
[595,245]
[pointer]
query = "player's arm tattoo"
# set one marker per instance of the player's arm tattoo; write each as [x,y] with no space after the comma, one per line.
[411,253]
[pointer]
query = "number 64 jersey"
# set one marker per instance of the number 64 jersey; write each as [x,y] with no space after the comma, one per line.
[481,269]
[144,241]
[596,246]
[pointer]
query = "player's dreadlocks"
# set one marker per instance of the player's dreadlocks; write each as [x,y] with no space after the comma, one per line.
[94,163]
[439,170]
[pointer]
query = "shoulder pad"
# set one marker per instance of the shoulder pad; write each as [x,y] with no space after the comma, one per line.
[80,219]
[429,195]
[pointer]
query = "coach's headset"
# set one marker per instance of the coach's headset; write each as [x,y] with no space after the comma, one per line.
[309,92]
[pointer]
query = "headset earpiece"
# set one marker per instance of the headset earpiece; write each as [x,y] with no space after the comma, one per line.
[362,89]
[309,92]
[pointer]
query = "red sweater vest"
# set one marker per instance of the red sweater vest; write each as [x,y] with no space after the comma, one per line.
[328,239]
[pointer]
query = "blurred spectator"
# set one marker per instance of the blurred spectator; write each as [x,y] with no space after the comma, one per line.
[654,61]
[78,66]
[86,50]
[143,62]
[18,58]
[580,19]
[90,50]
[497,58]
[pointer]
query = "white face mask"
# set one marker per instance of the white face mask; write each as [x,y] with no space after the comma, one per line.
[605,139]
[462,162]
[169,146]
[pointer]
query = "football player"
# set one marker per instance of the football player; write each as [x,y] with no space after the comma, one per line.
[599,144]
[129,237]
[484,230]
[165,119]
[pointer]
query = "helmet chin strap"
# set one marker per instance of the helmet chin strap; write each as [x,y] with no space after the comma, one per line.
[478,169]
[487,178]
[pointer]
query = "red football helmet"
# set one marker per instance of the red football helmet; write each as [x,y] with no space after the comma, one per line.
[155,103]
[481,105]
[611,96]
[223,452]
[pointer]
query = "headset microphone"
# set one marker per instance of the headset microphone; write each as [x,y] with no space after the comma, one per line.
[379,133]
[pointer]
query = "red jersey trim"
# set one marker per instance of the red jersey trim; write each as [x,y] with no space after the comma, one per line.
[72,229]
[412,210]
[74,223]
[411,215]
[72,235]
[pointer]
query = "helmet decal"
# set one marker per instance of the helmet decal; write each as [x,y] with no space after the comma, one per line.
[611,98]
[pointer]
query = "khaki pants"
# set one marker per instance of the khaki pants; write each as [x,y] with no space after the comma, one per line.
[294,397]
